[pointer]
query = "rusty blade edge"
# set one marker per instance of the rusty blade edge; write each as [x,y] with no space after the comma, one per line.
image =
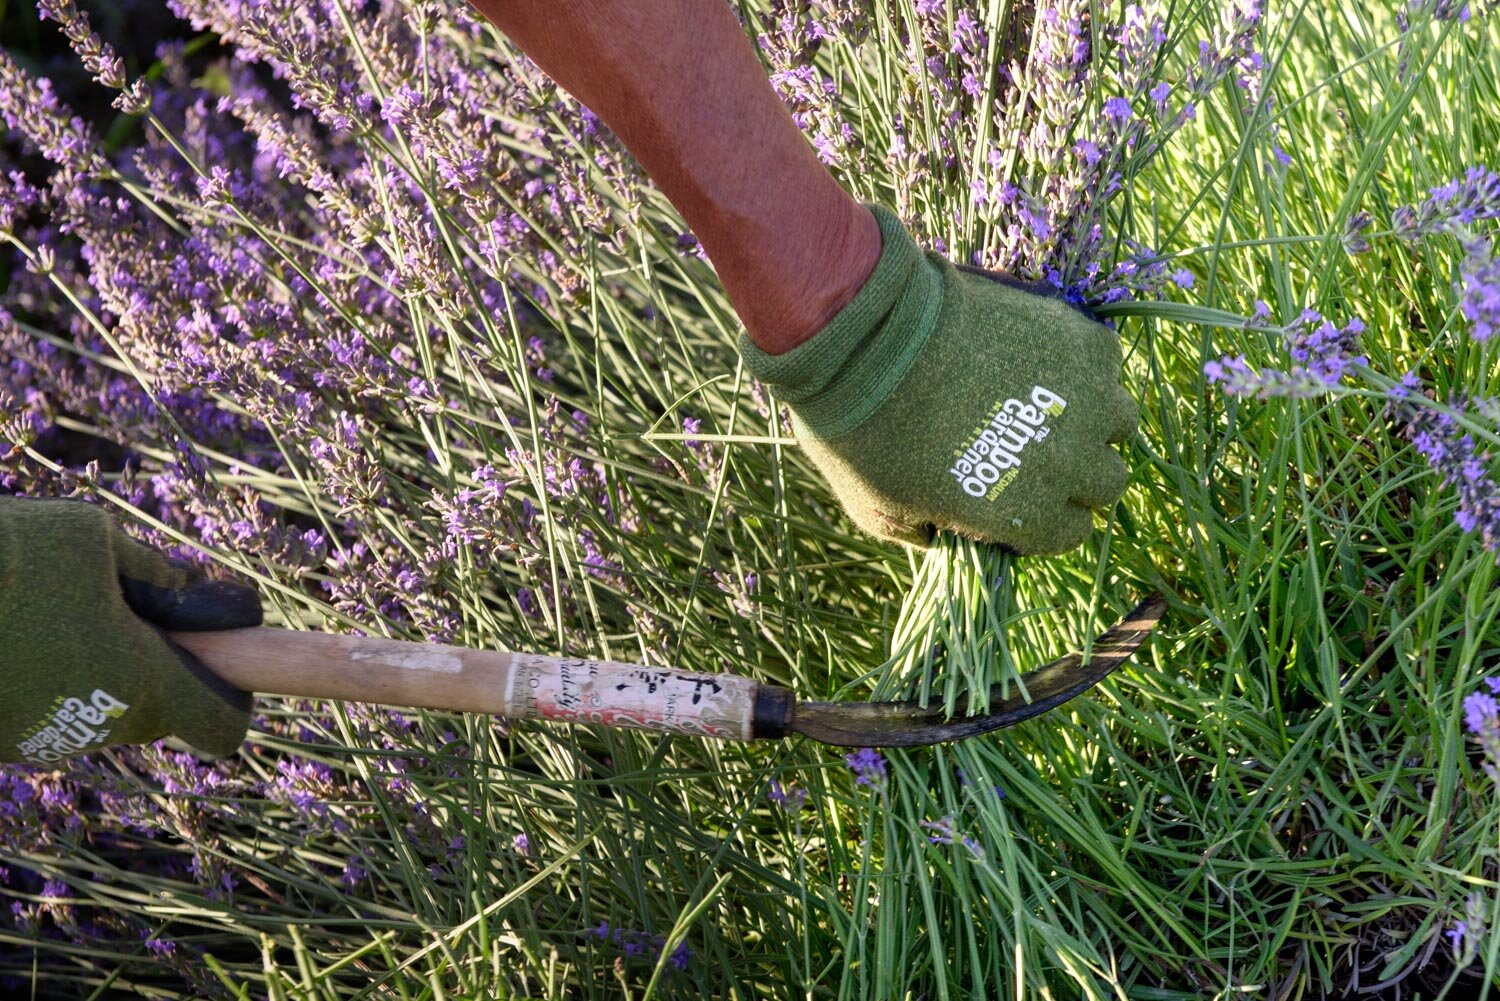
[907,724]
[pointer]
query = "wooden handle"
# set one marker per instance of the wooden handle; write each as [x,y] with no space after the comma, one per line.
[515,685]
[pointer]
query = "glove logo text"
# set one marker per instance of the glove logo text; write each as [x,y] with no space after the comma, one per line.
[70,726]
[992,458]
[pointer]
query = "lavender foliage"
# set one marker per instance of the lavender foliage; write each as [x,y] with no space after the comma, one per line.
[255,304]
[277,306]
[1326,354]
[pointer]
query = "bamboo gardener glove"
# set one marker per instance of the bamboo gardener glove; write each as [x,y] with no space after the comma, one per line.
[85,663]
[953,398]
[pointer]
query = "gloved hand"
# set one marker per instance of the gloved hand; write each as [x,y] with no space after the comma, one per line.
[954,398]
[85,663]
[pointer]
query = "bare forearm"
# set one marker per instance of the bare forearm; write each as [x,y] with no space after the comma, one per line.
[679,83]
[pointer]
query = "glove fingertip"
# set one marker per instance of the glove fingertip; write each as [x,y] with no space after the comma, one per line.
[1003,547]
[201,605]
[921,536]
[175,743]
[1127,420]
[213,725]
[883,525]
[1071,529]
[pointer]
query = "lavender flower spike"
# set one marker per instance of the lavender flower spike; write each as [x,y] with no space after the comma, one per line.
[1354,239]
[99,58]
[789,798]
[1325,353]
[1479,280]
[30,107]
[1451,453]
[1482,720]
[1449,207]
[867,765]
[945,835]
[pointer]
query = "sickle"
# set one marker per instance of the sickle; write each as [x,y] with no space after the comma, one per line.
[582,690]
[908,724]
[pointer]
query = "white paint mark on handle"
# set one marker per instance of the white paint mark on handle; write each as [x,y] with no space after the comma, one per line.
[444,663]
[579,690]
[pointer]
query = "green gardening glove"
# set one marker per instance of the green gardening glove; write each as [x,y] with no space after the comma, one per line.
[86,665]
[953,398]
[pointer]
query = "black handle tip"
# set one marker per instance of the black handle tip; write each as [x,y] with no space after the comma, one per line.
[773,713]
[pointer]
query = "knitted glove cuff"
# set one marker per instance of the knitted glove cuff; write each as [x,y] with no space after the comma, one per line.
[840,376]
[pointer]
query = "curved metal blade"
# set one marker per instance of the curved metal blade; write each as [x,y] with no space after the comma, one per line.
[907,724]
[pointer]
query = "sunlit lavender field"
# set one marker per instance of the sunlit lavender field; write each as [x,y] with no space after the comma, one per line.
[348,299]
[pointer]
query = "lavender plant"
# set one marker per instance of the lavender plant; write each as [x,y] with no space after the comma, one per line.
[952,634]
[350,299]
[1077,120]
[1446,437]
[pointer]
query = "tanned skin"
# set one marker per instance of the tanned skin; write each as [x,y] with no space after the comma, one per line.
[680,84]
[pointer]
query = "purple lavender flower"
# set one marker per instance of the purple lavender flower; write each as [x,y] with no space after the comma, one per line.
[1479,280]
[353,874]
[867,765]
[594,562]
[521,843]
[30,107]
[1452,208]
[161,948]
[1354,239]
[1230,51]
[1449,207]
[789,798]
[17,198]
[98,58]
[1117,111]
[1469,931]
[1159,95]
[1481,713]
[1324,351]
[304,786]
[1451,452]
[1482,717]
[1232,371]
[1035,217]
[634,944]
[944,834]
